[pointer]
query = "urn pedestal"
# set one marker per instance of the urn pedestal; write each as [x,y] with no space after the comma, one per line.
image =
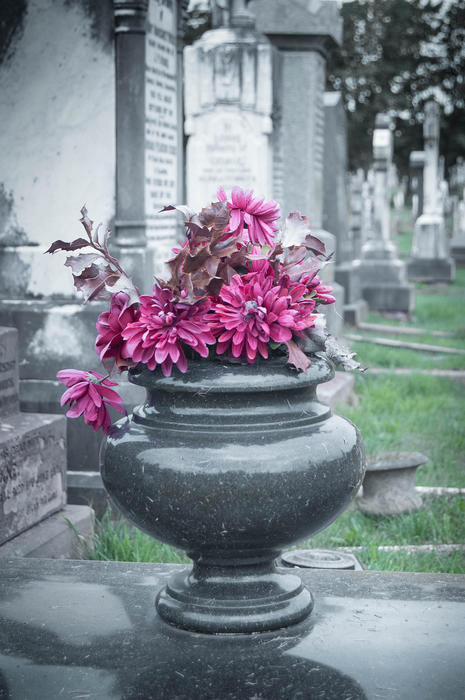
[234,463]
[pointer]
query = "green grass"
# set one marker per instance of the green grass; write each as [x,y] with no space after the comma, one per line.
[414,413]
[441,563]
[441,520]
[119,541]
[441,309]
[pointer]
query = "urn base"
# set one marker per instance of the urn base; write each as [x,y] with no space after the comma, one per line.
[229,600]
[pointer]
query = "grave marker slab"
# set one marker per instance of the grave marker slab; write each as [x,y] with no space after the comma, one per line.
[9,382]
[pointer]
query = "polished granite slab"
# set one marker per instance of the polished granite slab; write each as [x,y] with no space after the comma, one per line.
[75,630]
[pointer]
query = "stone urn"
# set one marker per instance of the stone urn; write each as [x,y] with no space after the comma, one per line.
[234,463]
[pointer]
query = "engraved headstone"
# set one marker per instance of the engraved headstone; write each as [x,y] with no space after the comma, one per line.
[228,103]
[32,454]
[9,389]
[430,259]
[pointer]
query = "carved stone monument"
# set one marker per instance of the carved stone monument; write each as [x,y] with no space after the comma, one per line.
[457,244]
[430,259]
[416,166]
[383,275]
[228,105]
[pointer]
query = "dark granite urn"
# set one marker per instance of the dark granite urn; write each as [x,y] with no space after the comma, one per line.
[234,463]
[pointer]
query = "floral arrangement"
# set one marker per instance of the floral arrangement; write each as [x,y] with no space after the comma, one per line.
[239,289]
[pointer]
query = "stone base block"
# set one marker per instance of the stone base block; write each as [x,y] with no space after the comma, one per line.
[431,270]
[348,276]
[457,249]
[339,390]
[86,488]
[390,297]
[32,470]
[54,538]
[355,313]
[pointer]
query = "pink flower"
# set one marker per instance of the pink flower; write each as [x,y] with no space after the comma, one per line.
[259,216]
[89,395]
[319,292]
[164,324]
[110,324]
[251,311]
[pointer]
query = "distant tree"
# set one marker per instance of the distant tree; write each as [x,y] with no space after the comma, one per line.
[397,54]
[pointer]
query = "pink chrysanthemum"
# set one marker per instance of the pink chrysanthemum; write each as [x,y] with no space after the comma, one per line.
[320,292]
[164,323]
[259,216]
[251,311]
[89,395]
[110,324]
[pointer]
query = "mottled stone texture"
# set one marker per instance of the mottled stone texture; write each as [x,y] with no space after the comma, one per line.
[9,389]
[389,483]
[32,470]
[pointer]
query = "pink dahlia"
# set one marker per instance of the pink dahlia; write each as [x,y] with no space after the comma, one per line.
[251,311]
[259,216]
[89,394]
[110,325]
[164,324]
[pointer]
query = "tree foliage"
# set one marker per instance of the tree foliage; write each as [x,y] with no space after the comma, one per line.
[397,54]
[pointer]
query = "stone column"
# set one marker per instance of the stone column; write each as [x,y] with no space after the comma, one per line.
[335,207]
[416,165]
[430,260]
[383,275]
[304,33]
[130,225]
[357,211]
[457,243]
[228,105]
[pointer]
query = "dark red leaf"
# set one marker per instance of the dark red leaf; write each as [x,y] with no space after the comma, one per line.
[62,245]
[297,357]
[216,216]
[315,245]
[78,263]
[183,208]
[86,222]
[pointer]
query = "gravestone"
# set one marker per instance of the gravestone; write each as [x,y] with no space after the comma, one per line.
[32,453]
[383,275]
[416,165]
[457,244]
[335,207]
[228,104]
[122,75]
[357,211]
[303,34]
[430,257]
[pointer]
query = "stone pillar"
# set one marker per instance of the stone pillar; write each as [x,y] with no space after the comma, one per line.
[416,165]
[383,275]
[228,106]
[357,212]
[130,225]
[335,207]
[430,260]
[457,243]
[304,34]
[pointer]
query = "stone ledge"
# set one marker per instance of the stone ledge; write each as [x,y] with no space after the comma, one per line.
[53,538]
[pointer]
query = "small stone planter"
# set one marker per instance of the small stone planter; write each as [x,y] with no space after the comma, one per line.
[389,483]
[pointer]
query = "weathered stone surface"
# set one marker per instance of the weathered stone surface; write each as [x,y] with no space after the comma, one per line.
[54,538]
[288,23]
[32,470]
[338,391]
[416,165]
[9,387]
[389,483]
[90,628]
[335,208]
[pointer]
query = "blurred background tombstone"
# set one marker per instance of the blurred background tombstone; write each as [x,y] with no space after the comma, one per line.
[335,207]
[430,258]
[383,274]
